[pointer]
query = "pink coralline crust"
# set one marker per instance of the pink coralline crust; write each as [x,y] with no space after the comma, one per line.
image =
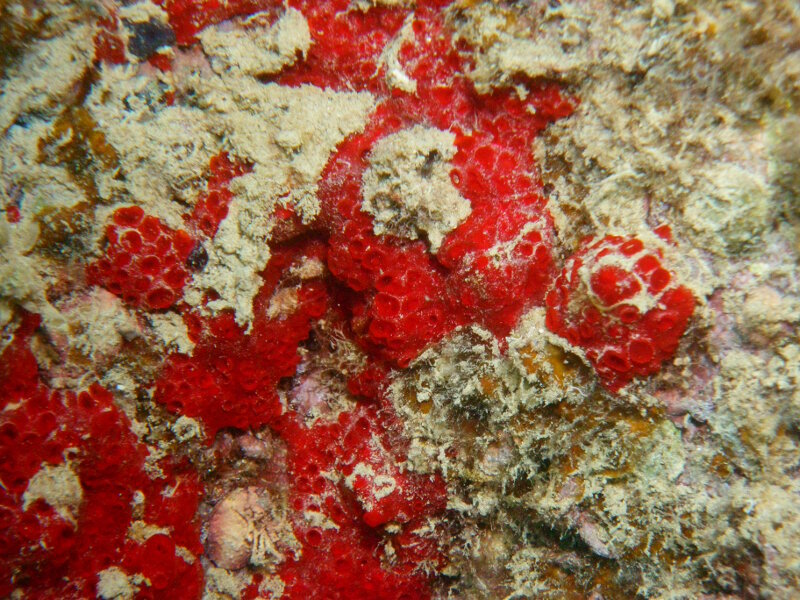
[620,341]
[45,555]
[228,543]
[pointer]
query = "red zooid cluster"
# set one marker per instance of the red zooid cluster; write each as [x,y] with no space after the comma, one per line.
[615,300]
[145,261]
[50,554]
[188,17]
[363,448]
[493,265]
[212,207]
[231,378]
[345,469]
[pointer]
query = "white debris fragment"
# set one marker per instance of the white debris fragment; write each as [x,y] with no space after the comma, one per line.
[59,487]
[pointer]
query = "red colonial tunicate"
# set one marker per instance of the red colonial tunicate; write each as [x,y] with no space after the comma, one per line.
[346,46]
[45,553]
[231,378]
[498,262]
[144,262]
[393,296]
[492,267]
[188,17]
[347,470]
[108,44]
[13,214]
[612,285]
[19,372]
[212,206]
[631,315]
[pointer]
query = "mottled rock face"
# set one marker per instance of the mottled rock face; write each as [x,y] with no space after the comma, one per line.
[246,528]
[232,527]
[399,299]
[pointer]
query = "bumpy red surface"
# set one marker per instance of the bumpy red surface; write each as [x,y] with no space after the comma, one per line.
[392,296]
[616,300]
[347,470]
[231,378]
[188,17]
[47,555]
[498,261]
[212,207]
[145,261]
[108,45]
[12,213]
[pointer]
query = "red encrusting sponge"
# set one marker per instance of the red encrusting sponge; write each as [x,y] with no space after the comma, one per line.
[212,206]
[495,264]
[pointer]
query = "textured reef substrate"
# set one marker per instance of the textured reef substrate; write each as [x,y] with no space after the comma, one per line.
[397,300]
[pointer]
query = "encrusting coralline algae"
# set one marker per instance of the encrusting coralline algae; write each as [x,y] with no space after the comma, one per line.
[397,299]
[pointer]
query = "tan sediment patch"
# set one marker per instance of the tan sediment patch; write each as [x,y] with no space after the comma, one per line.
[407,186]
[257,48]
